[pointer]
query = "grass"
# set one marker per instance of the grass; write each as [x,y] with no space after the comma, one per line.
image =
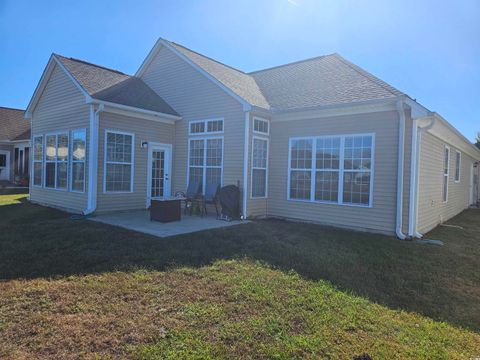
[268,289]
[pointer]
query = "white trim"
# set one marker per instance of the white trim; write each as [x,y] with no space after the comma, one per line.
[77,161]
[7,163]
[263,138]
[204,166]
[167,148]
[458,163]
[155,50]
[341,170]
[205,129]
[245,162]
[131,163]
[38,161]
[400,170]
[447,174]
[93,159]
[260,132]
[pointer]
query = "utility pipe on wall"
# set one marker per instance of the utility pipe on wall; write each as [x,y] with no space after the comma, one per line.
[401,157]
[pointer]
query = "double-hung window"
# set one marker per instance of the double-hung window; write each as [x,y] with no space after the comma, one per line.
[56,161]
[446,170]
[38,160]
[79,139]
[332,169]
[205,163]
[119,155]
[259,167]
[458,165]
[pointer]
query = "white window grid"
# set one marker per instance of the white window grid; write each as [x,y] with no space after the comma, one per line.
[82,133]
[259,164]
[124,162]
[261,126]
[38,160]
[208,126]
[60,158]
[458,166]
[446,170]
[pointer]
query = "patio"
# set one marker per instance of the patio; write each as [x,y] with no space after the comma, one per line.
[140,221]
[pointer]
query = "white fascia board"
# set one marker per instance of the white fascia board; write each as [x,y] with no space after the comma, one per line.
[362,107]
[136,112]
[161,42]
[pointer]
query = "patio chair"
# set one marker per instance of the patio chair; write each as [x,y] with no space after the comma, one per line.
[210,197]
[192,195]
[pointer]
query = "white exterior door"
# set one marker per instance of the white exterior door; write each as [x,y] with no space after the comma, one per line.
[158,171]
[4,165]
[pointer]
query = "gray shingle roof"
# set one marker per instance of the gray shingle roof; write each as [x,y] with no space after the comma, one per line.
[114,86]
[239,82]
[13,125]
[324,80]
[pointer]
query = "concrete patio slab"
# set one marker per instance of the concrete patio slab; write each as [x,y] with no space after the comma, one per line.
[140,221]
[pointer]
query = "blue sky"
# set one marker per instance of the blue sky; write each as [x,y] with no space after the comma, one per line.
[428,49]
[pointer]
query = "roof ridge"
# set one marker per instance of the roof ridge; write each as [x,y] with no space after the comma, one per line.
[368,75]
[291,63]
[208,57]
[92,64]
[10,108]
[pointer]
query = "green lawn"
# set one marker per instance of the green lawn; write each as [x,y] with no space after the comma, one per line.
[267,289]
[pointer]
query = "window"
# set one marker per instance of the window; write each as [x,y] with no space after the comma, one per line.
[56,161]
[3,160]
[260,125]
[259,167]
[332,169]
[37,160]
[458,165]
[446,165]
[118,171]
[77,182]
[198,127]
[205,161]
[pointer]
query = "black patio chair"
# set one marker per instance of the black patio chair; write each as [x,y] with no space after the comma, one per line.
[192,195]
[210,197]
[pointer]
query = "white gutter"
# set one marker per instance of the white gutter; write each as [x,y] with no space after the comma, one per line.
[135,109]
[245,163]
[401,157]
[414,176]
[93,159]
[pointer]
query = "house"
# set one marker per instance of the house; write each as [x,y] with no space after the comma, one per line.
[318,140]
[14,146]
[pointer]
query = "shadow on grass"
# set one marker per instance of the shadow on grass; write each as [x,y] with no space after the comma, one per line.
[440,282]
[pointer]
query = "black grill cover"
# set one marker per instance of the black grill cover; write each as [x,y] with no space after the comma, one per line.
[230,200]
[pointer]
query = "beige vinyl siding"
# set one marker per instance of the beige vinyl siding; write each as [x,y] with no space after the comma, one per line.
[379,218]
[144,130]
[195,97]
[11,150]
[61,107]
[256,207]
[431,208]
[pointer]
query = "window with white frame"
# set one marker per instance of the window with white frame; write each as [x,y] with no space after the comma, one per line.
[259,167]
[37,160]
[458,165]
[333,169]
[213,126]
[56,161]
[79,140]
[205,161]
[260,125]
[446,170]
[119,156]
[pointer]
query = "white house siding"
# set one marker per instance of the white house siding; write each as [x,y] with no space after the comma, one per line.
[10,149]
[144,130]
[195,97]
[431,208]
[256,207]
[379,218]
[61,107]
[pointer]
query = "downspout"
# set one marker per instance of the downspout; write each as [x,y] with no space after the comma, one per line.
[245,164]
[401,157]
[93,159]
[414,179]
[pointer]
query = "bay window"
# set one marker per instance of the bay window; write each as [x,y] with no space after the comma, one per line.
[37,160]
[332,169]
[77,182]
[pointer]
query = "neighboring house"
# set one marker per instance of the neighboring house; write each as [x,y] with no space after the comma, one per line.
[14,146]
[317,140]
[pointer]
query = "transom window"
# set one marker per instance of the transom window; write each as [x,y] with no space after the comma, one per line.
[213,126]
[446,170]
[118,162]
[37,160]
[205,161]
[332,169]
[458,162]
[56,161]
[260,125]
[259,167]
